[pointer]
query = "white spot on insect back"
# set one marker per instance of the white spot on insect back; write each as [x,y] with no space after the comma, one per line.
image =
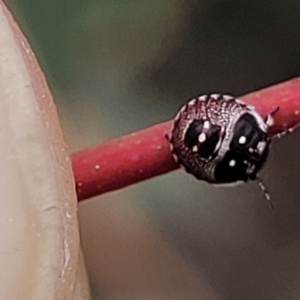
[232,163]
[215,96]
[192,102]
[177,117]
[203,98]
[183,109]
[261,146]
[206,125]
[242,103]
[202,137]
[228,97]
[195,148]
[242,140]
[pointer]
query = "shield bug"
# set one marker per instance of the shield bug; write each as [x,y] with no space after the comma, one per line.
[220,139]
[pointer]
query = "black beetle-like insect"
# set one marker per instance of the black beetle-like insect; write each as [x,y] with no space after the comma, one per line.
[220,139]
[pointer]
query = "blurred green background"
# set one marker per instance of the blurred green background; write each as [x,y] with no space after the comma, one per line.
[121,65]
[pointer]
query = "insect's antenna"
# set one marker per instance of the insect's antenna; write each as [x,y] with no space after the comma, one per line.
[266,193]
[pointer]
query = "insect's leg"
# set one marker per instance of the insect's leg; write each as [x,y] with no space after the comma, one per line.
[266,193]
[270,120]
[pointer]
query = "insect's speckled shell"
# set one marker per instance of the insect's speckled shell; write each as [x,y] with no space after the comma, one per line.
[222,110]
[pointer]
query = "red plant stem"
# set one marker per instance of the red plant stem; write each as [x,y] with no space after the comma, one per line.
[123,161]
[145,154]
